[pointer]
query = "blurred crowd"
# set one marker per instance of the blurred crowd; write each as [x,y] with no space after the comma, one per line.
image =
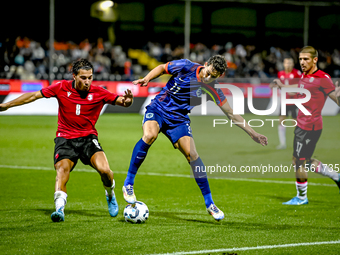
[27,59]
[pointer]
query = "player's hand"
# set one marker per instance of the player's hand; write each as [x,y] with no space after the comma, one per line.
[127,98]
[261,139]
[3,107]
[143,82]
[276,83]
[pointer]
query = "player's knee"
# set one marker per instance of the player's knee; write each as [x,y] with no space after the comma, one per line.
[149,137]
[104,170]
[62,169]
[193,156]
[309,164]
[190,155]
[300,163]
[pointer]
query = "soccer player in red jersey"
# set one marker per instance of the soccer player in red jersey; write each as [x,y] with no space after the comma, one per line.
[80,104]
[288,76]
[309,127]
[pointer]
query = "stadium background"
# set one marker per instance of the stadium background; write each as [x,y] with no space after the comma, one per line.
[127,40]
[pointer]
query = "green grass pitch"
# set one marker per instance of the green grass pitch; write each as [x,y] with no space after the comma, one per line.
[254,215]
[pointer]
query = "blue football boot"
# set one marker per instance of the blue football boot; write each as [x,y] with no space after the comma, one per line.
[112,205]
[296,201]
[58,215]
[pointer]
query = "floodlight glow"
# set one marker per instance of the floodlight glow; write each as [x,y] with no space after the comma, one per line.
[106,4]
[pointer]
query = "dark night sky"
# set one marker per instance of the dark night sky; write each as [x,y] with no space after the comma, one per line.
[73,21]
[26,18]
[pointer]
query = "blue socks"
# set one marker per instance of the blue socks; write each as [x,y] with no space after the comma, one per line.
[198,170]
[197,166]
[137,158]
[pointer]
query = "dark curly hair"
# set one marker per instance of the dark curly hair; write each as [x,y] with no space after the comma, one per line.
[81,64]
[219,63]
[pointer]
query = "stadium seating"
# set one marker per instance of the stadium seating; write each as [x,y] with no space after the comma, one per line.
[30,61]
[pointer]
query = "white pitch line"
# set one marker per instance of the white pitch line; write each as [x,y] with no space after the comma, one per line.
[251,248]
[167,175]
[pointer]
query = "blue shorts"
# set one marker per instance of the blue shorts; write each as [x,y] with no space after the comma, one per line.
[174,130]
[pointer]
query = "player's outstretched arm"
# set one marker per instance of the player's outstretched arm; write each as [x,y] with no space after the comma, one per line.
[23,99]
[335,95]
[278,83]
[240,122]
[125,100]
[154,73]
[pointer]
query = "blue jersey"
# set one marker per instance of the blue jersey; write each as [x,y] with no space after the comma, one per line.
[184,89]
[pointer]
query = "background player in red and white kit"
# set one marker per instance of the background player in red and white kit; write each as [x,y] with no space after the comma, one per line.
[79,108]
[288,76]
[309,127]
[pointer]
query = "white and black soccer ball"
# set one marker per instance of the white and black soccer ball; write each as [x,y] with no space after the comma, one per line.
[137,213]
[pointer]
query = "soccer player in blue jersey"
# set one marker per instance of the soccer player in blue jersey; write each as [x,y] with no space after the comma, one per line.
[168,113]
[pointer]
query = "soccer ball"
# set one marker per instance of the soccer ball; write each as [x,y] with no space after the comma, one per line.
[137,213]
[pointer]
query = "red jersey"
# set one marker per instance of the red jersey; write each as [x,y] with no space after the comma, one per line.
[319,85]
[289,79]
[78,112]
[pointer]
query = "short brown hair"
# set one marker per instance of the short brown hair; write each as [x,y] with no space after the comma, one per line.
[81,64]
[309,49]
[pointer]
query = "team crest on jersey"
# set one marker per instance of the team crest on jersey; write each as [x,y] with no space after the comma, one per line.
[90,97]
[149,115]
[199,92]
[301,86]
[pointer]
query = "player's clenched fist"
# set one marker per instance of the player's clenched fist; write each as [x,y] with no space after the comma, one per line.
[3,107]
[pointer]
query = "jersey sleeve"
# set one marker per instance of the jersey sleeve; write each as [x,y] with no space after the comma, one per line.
[51,91]
[214,94]
[327,84]
[177,66]
[109,98]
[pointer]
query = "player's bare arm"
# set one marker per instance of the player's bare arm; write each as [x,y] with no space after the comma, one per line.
[154,73]
[125,100]
[335,95]
[23,99]
[240,122]
[279,84]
